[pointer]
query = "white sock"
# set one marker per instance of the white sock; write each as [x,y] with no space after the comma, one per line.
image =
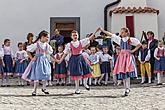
[143,80]
[85,82]
[90,81]
[77,84]
[35,86]
[128,83]
[159,78]
[106,78]
[44,85]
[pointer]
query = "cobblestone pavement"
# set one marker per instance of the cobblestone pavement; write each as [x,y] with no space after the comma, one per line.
[142,97]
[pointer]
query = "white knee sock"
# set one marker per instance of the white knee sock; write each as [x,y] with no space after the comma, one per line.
[85,82]
[77,84]
[35,86]
[106,78]
[44,85]
[159,77]
[128,83]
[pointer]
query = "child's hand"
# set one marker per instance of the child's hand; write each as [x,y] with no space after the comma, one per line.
[3,64]
[142,62]
[158,58]
[13,62]
[22,61]
[34,59]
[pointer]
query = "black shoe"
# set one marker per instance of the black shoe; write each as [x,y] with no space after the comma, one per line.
[87,88]
[77,92]
[69,84]
[33,93]
[159,84]
[7,85]
[44,91]
[57,84]
[2,85]
[127,91]
[62,84]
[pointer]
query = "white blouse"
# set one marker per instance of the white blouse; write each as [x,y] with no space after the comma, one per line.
[33,47]
[85,54]
[1,53]
[147,58]
[156,51]
[84,42]
[99,53]
[106,58]
[117,39]
[21,52]
[60,55]
[8,51]
[94,58]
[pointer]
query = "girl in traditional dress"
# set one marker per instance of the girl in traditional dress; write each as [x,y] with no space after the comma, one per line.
[94,59]
[60,71]
[124,67]
[159,55]
[1,64]
[78,67]
[8,61]
[20,63]
[39,68]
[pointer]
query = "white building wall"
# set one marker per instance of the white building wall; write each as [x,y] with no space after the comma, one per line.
[159,4]
[145,22]
[18,17]
[142,22]
[133,3]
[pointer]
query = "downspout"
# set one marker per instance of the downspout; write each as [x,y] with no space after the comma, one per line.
[106,10]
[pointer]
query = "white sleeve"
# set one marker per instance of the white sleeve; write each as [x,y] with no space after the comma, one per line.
[67,49]
[110,58]
[139,57]
[1,52]
[49,50]
[148,56]
[134,41]
[15,55]
[155,52]
[85,42]
[116,39]
[25,55]
[97,60]
[32,47]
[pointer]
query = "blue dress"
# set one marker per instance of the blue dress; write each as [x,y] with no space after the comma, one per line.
[78,66]
[160,64]
[60,70]
[20,67]
[8,61]
[39,69]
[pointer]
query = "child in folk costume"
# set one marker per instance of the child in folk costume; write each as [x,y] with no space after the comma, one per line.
[144,58]
[85,53]
[78,67]
[105,65]
[39,68]
[1,63]
[60,71]
[159,55]
[124,67]
[94,59]
[68,78]
[99,51]
[114,58]
[20,63]
[8,61]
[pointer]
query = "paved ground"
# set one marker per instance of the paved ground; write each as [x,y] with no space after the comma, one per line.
[99,98]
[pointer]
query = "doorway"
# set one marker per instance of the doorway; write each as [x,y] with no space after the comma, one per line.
[65,25]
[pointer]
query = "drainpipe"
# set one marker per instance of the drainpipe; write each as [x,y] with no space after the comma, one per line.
[106,10]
